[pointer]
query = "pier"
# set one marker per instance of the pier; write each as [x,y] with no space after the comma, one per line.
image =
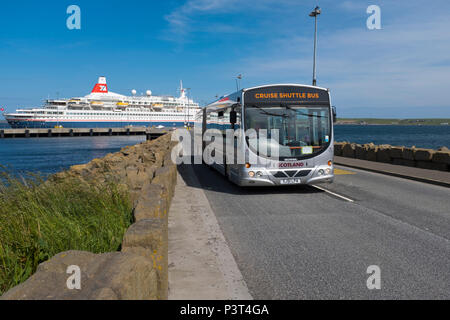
[150,133]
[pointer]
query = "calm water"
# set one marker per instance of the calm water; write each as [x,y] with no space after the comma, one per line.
[49,155]
[420,136]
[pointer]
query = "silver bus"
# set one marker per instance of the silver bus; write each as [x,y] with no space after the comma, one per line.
[302,118]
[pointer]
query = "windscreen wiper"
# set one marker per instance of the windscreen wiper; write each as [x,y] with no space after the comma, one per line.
[301,113]
[269,113]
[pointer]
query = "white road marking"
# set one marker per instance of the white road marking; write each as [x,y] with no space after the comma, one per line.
[334,194]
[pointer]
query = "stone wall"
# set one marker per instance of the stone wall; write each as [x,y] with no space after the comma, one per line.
[412,157]
[140,269]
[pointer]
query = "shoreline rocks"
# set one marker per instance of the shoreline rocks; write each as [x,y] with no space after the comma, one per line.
[399,155]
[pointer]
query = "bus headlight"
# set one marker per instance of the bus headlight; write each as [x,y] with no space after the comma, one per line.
[259,174]
[251,174]
[320,172]
[328,171]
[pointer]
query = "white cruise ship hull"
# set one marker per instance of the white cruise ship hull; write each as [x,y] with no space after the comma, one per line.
[35,123]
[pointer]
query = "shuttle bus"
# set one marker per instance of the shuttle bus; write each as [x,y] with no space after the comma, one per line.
[287,129]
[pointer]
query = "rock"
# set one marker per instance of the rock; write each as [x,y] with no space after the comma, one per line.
[383,154]
[396,152]
[442,157]
[149,238]
[136,177]
[371,152]
[153,202]
[113,275]
[348,150]
[80,169]
[423,154]
[338,148]
[167,177]
[408,153]
[360,152]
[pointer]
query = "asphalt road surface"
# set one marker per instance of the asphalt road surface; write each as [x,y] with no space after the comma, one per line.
[301,242]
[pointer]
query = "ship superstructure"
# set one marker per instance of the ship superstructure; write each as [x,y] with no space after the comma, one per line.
[103,108]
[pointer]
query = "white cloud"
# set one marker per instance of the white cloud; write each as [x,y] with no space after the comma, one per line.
[406,64]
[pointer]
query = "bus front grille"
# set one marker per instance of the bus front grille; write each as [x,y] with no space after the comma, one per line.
[303,173]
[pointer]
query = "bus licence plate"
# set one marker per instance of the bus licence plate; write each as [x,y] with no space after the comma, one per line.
[290,181]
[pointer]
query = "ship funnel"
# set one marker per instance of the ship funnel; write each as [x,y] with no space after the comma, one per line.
[182,90]
[101,86]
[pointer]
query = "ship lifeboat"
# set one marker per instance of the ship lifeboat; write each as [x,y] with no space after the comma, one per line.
[96,103]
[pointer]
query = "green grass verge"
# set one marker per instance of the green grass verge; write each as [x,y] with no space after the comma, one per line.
[40,219]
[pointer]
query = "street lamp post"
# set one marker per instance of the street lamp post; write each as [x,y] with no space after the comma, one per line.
[314,14]
[238,79]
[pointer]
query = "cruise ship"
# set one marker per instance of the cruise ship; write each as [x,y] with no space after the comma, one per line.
[103,108]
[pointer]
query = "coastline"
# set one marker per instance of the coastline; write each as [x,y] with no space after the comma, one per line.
[394,122]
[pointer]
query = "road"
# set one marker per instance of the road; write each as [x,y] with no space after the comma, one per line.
[304,243]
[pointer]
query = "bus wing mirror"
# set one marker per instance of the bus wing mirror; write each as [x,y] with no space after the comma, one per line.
[233,117]
[334,114]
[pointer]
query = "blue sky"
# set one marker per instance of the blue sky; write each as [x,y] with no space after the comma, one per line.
[402,70]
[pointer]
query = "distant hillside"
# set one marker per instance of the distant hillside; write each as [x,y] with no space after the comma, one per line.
[371,121]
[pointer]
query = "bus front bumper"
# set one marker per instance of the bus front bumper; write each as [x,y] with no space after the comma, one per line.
[256,182]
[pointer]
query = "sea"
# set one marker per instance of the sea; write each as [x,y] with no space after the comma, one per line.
[50,155]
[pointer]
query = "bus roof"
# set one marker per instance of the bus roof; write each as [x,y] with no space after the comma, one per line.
[232,98]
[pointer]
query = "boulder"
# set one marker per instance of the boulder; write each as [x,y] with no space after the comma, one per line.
[408,153]
[361,152]
[149,238]
[153,202]
[371,152]
[348,150]
[113,275]
[423,154]
[167,177]
[338,148]
[396,152]
[441,157]
[383,154]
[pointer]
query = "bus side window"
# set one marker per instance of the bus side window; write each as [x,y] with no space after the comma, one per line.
[233,117]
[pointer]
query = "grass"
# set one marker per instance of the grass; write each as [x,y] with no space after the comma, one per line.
[40,219]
